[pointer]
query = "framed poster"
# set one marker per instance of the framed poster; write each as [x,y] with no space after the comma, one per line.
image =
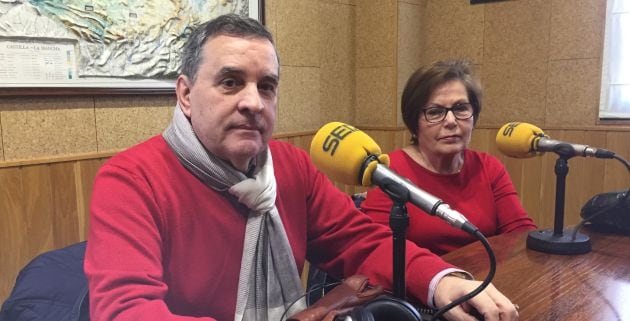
[101,46]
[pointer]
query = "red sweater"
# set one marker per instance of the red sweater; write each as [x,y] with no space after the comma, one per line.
[164,246]
[482,191]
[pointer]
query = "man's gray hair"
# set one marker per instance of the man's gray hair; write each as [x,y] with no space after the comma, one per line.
[228,25]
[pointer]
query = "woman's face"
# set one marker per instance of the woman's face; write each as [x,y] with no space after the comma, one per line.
[450,136]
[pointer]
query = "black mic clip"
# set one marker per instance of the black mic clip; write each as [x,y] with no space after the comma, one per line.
[366,162]
[565,150]
[398,193]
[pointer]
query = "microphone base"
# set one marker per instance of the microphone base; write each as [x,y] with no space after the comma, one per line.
[545,241]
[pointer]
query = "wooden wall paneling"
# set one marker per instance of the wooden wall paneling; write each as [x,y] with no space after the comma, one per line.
[575,181]
[348,189]
[527,175]
[302,141]
[482,139]
[572,202]
[42,207]
[37,210]
[12,228]
[64,204]
[403,138]
[30,217]
[340,186]
[281,139]
[295,141]
[305,142]
[84,174]
[516,169]
[529,190]
[492,144]
[547,192]
[379,137]
[589,173]
[616,175]
[388,141]
[619,142]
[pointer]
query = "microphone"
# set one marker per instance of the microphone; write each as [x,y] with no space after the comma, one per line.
[523,140]
[348,155]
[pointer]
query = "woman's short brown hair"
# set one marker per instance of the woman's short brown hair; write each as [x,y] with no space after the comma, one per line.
[423,82]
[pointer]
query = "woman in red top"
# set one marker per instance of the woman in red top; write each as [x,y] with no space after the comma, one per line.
[440,107]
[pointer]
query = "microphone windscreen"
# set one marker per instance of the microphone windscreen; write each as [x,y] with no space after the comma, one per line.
[518,139]
[340,151]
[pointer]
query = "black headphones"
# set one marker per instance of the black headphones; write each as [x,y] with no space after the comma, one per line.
[385,308]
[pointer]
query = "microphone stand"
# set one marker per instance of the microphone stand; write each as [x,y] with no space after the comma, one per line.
[556,241]
[398,222]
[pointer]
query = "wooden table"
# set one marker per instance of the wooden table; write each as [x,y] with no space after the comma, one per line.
[590,287]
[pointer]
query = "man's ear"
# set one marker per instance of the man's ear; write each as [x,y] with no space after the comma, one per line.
[183,86]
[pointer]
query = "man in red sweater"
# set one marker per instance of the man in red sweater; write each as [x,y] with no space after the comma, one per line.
[213,220]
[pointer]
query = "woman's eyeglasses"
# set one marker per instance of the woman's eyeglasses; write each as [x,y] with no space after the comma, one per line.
[436,114]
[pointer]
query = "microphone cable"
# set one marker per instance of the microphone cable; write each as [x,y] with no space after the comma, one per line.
[323,286]
[481,287]
[311,289]
[619,202]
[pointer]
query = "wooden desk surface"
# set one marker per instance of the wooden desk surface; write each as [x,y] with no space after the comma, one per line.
[588,287]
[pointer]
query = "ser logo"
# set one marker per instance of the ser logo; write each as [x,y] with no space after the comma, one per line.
[509,129]
[335,137]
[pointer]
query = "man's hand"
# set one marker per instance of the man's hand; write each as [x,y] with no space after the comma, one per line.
[490,304]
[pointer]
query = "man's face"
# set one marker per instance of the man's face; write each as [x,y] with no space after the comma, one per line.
[232,103]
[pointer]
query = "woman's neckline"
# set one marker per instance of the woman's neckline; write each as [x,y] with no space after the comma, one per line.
[417,156]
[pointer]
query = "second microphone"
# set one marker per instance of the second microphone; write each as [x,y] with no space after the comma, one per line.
[348,155]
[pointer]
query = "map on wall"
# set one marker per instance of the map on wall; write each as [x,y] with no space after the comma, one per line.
[102,43]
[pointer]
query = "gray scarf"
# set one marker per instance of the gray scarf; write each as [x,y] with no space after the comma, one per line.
[269,281]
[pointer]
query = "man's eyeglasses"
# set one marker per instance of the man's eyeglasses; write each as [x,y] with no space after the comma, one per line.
[436,114]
